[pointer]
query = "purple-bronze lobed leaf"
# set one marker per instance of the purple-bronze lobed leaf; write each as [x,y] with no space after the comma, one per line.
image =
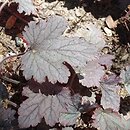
[49,49]
[38,105]
[108,120]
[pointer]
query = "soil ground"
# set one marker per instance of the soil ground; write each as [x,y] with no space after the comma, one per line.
[79,13]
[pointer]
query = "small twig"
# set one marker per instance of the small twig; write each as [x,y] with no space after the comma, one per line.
[3,5]
[126,26]
[54,5]
[8,47]
[51,8]
[11,103]
[77,22]
[1,29]
[10,80]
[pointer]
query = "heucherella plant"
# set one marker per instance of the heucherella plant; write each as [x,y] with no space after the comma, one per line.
[56,67]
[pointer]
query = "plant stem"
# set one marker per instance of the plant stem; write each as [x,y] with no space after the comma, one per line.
[9,58]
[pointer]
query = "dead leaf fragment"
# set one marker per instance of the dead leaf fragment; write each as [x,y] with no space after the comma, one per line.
[110,22]
[108,32]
